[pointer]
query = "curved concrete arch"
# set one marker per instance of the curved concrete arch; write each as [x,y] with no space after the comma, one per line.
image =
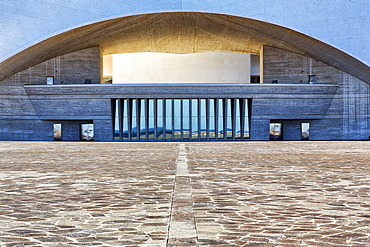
[181,33]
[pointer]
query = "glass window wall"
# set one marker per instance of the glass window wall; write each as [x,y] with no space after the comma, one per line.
[200,119]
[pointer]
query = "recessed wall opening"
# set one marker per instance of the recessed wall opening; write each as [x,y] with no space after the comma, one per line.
[169,119]
[87,132]
[305,131]
[276,131]
[57,131]
[150,67]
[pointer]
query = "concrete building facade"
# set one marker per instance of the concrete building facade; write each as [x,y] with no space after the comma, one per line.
[245,80]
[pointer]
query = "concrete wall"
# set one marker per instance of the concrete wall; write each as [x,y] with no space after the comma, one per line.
[337,107]
[79,103]
[292,68]
[347,117]
[72,68]
[189,68]
[18,118]
[255,65]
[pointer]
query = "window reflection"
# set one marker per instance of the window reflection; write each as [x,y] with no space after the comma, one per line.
[186,119]
[57,131]
[305,131]
[276,131]
[180,119]
[87,132]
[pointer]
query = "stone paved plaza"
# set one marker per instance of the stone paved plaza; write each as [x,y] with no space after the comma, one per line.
[185,194]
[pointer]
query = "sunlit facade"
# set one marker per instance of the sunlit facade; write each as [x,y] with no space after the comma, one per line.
[185,76]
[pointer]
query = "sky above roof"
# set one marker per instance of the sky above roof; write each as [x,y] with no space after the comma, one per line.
[342,23]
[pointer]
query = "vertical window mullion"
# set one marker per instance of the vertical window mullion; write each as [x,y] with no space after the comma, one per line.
[164,119]
[173,119]
[225,106]
[207,118]
[114,116]
[138,110]
[242,117]
[199,119]
[120,115]
[155,118]
[129,118]
[181,120]
[249,119]
[216,118]
[146,117]
[190,120]
[233,117]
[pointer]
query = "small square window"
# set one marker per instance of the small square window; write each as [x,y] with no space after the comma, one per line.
[87,132]
[50,80]
[312,79]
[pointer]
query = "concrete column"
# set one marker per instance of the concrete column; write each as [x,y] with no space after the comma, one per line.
[199,118]
[181,120]
[129,119]
[164,119]
[146,119]
[242,117]
[207,118]
[190,119]
[173,119]
[225,105]
[233,118]
[155,115]
[216,117]
[120,116]
[138,110]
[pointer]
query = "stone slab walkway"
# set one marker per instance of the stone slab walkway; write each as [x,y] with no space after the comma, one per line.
[185,194]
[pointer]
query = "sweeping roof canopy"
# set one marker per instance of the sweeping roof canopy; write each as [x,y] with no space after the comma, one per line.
[182,33]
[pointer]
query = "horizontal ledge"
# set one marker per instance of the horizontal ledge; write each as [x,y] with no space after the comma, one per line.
[185,85]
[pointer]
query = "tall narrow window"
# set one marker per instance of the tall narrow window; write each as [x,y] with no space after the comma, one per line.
[202,118]
[151,124]
[116,127]
[134,120]
[125,128]
[194,119]
[160,119]
[177,117]
[143,119]
[211,119]
[57,131]
[220,115]
[169,125]
[305,131]
[186,119]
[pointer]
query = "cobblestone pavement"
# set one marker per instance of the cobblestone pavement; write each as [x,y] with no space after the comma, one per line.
[185,194]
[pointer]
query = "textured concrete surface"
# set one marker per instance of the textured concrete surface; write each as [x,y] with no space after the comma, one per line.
[182,33]
[185,194]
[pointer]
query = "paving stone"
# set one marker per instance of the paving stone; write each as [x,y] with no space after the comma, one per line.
[185,194]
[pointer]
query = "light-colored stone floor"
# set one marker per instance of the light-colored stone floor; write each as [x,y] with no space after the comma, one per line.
[185,194]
